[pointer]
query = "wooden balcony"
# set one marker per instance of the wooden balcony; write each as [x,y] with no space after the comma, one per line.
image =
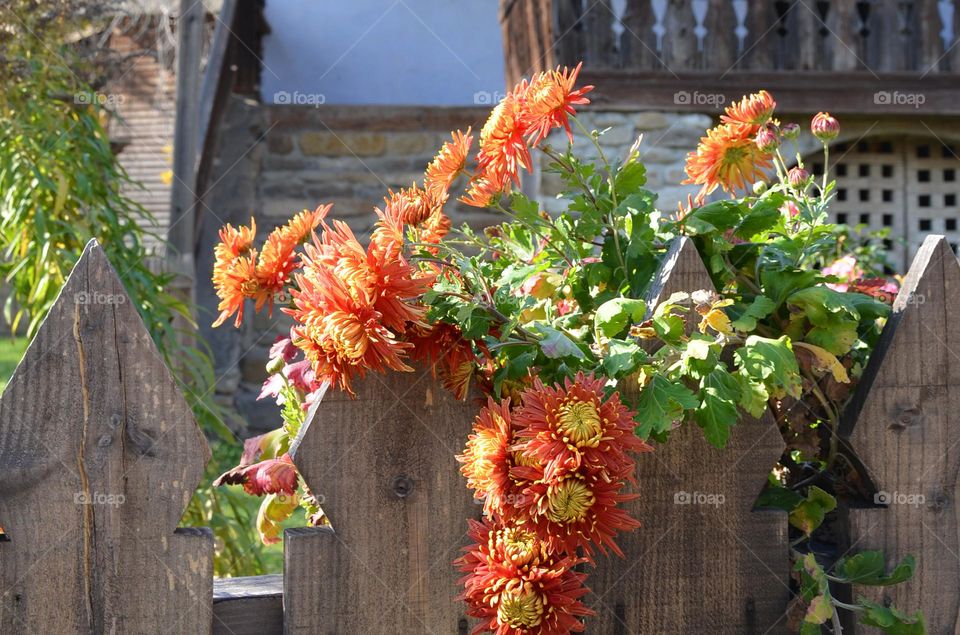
[882,56]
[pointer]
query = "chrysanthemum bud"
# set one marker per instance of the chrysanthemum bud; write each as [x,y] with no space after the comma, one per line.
[824,127]
[790,130]
[759,187]
[767,139]
[798,177]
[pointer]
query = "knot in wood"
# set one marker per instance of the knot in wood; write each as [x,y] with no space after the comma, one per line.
[906,417]
[402,486]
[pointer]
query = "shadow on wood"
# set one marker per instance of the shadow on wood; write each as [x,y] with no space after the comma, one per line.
[99,456]
[703,561]
[384,467]
[902,424]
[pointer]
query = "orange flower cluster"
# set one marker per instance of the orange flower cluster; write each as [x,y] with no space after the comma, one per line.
[516,586]
[520,122]
[239,275]
[729,156]
[553,470]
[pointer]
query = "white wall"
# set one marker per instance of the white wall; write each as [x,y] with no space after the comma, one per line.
[421,52]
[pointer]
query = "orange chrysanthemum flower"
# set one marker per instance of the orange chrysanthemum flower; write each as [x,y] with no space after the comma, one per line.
[234,270]
[435,228]
[235,280]
[579,509]
[450,356]
[482,192]
[342,337]
[503,150]
[278,257]
[448,164]
[488,461]
[516,587]
[727,157]
[376,276]
[412,205]
[573,427]
[549,100]
[752,110]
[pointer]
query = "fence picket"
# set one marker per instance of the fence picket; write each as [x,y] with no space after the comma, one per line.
[902,426]
[99,456]
[703,561]
[383,466]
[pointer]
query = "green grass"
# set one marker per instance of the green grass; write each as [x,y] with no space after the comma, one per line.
[11,350]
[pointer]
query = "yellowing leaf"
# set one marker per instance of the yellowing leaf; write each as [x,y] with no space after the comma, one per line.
[826,361]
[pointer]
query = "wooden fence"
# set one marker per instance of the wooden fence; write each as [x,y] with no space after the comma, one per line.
[99,456]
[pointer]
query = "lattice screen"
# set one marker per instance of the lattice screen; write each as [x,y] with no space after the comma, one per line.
[910,186]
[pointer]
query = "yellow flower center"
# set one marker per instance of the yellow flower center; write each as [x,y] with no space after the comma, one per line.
[579,422]
[520,609]
[347,336]
[569,501]
[519,546]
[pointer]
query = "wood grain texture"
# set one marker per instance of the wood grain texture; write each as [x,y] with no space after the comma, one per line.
[703,561]
[383,466]
[248,606]
[99,456]
[902,424]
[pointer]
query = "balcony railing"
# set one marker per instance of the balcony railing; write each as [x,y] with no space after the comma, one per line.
[840,44]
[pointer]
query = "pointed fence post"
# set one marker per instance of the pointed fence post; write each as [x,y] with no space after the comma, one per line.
[99,456]
[383,467]
[902,424]
[703,561]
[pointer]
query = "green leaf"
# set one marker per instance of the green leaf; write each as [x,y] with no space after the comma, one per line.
[771,363]
[819,611]
[623,357]
[762,216]
[717,413]
[556,344]
[778,497]
[869,568]
[760,308]
[614,315]
[809,514]
[890,620]
[630,177]
[660,404]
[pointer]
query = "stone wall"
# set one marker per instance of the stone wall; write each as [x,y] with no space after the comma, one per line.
[667,138]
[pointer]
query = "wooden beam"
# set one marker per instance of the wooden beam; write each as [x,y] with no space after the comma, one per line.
[185,139]
[248,606]
[842,93]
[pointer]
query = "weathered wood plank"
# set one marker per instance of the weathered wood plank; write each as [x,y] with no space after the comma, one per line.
[902,426]
[703,561]
[99,456]
[248,606]
[384,467]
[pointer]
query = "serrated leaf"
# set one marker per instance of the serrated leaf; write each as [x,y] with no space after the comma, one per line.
[809,514]
[717,413]
[869,568]
[891,620]
[760,308]
[614,315]
[630,177]
[660,404]
[622,358]
[772,363]
[556,344]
